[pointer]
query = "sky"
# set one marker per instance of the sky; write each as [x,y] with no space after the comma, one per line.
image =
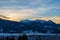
[25,9]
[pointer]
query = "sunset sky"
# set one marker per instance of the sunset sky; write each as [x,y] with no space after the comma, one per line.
[28,9]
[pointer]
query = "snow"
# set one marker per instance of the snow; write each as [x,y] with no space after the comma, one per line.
[17,34]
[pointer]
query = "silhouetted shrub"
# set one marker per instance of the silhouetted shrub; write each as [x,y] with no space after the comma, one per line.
[1,38]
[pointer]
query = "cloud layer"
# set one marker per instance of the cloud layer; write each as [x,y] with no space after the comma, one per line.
[25,9]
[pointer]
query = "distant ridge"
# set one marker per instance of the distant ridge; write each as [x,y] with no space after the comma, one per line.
[8,18]
[1,19]
[40,26]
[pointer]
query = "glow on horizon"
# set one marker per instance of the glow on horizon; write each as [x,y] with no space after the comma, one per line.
[26,9]
[54,19]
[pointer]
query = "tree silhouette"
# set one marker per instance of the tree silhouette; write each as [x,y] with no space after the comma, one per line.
[24,37]
[19,38]
[40,37]
[7,38]
[12,38]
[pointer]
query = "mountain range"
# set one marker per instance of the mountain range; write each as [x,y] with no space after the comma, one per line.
[40,26]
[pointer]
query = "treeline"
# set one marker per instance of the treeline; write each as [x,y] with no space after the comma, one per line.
[23,37]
